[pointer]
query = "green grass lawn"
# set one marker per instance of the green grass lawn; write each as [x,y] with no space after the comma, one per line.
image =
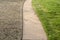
[48,12]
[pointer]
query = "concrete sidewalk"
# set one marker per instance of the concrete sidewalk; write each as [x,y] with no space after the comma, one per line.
[32,29]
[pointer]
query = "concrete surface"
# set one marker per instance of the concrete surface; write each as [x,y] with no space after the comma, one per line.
[11,19]
[33,29]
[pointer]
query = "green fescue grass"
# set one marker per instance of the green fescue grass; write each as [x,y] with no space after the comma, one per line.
[48,12]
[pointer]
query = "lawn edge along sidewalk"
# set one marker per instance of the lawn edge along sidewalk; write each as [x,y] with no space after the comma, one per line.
[33,29]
